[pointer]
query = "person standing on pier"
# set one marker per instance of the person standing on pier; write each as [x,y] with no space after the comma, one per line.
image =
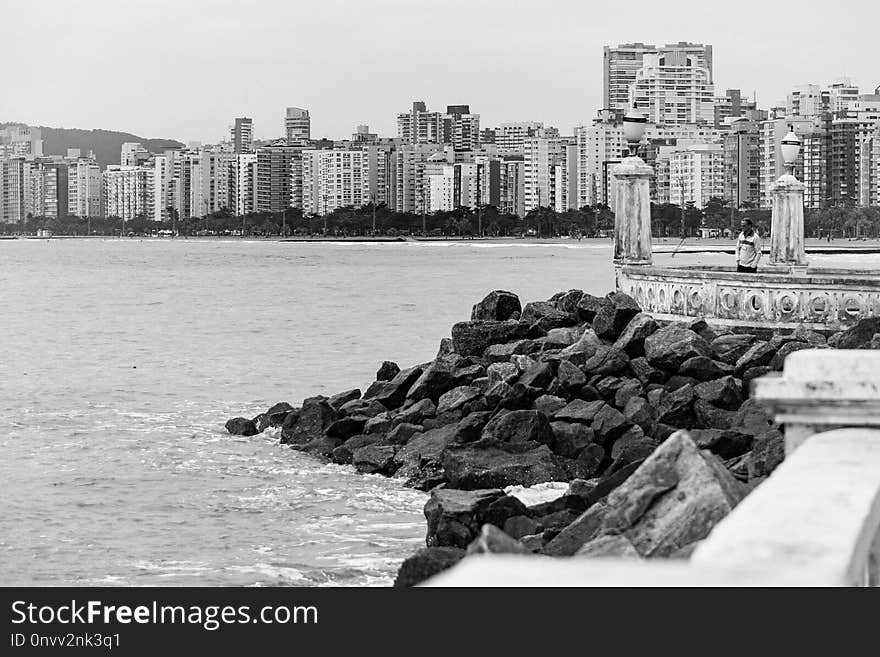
[748,248]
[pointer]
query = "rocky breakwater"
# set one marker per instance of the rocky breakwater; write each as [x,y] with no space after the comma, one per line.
[651,424]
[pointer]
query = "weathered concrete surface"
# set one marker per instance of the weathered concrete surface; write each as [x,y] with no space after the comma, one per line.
[632,220]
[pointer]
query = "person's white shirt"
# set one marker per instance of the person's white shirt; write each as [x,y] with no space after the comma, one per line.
[748,249]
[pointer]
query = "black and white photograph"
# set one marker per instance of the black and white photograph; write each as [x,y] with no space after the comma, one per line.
[393,294]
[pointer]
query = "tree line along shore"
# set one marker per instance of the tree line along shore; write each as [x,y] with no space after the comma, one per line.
[668,220]
[649,424]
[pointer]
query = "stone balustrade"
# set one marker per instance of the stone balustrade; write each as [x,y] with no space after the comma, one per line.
[822,299]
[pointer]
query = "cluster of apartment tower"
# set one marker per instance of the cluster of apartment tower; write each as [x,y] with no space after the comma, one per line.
[700,144]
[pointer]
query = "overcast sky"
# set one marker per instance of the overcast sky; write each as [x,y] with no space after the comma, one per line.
[184,69]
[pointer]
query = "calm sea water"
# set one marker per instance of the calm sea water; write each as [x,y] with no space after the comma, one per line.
[122,359]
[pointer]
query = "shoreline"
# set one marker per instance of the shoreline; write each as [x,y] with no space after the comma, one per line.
[577,391]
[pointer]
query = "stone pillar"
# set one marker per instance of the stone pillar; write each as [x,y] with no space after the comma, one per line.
[822,389]
[632,217]
[787,224]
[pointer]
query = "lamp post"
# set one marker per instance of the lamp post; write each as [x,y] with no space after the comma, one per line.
[632,195]
[787,219]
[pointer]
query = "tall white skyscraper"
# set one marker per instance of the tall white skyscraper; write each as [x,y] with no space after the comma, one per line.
[673,89]
[297,126]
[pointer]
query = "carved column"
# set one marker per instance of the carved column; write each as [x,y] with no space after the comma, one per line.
[787,224]
[632,217]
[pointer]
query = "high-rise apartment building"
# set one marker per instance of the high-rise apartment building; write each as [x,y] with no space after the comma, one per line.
[732,105]
[334,179]
[297,126]
[407,183]
[511,185]
[550,174]
[461,128]
[279,177]
[21,141]
[133,154]
[84,188]
[419,126]
[510,137]
[600,146]
[242,135]
[742,164]
[696,174]
[623,62]
[671,88]
[242,184]
[128,192]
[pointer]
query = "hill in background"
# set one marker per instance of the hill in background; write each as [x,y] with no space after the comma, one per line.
[107,144]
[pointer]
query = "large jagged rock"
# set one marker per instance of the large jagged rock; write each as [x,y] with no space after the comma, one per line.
[617,546]
[859,335]
[456,398]
[501,353]
[614,315]
[768,451]
[725,392]
[493,540]
[518,427]
[374,459]
[498,305]
[426,563]
[472,338]
[338,400]
[606,360]
[632,338]
[538,375]
[570,438]
[241,426]
[368,407]
[443,375]
[456,516]
[730,347]
[391,394]
[760,353]
[675,498]
[548,404]
[470,467]
[570,376]
[346,427]
[640,412]
[676,408]
[274,416]
[578,410]
[670,346]
[415,413]
[726,443]
[703,368]
[588,305]
[583,530]
[547,316]
[608,424]
[567,301]
[422,452]
[344,452]
[645,372]
[582,350]
[387,371]
[315,416]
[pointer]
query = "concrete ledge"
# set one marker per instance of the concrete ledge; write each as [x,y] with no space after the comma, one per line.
[817,514]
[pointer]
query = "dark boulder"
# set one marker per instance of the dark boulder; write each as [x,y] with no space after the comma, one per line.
[703,368]
[472,338]
[640,412]
[455,516]
[415,413]
[387,371]
[709,416]
[501,353]
[578,410]
[241,426]
[338,400]
[470,428]
[768,451]
[507,372]
[731,347]
[315,416]
[606,360]
[421,455]
[549,404]
[568,301]
[519,397]
[498,305]
[547,316]
[588,306]
[456,398]
[570,376]
[440,376]
[725,392]
[274,416]
[343,453]
[645,372]
[369,407]
[426,563]
[627,391]
[346,427]
[570,438]
[670,346]
[614,315]
[632,338]
[859,335]
[676,408]
[470,467]
[608,424]
[538,375]
[391,394]
[760,353]
[518,427]
[374,459]
[401,434]
[751,374]
[726,443]
[583,530]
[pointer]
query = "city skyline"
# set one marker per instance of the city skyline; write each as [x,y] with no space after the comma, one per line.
[386,55]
